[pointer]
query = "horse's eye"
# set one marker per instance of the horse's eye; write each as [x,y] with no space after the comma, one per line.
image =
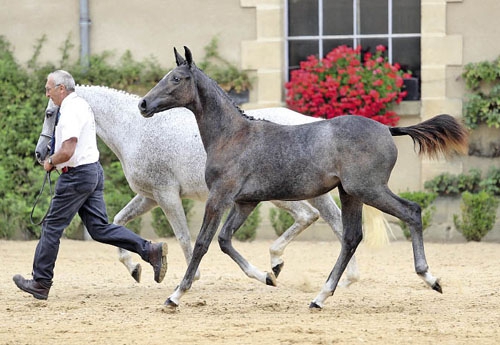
[176,79]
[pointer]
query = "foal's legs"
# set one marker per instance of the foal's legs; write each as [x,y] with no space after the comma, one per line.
[410,213]
[330,212]
[352,209]
[211,220]
[235,219]
[386,201]
[304,215]
[135,208]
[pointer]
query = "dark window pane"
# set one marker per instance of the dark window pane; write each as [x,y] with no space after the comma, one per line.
[299,51]
[373,17]
[406,16]
[302,17]
[406,52]
[337,17]
[329,45]
[370,44]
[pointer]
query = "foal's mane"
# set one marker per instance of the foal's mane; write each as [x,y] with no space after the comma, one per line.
[225,95]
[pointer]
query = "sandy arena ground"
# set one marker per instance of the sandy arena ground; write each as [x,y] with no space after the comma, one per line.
[94,301]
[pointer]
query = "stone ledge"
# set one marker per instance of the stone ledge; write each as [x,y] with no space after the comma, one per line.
[408,108]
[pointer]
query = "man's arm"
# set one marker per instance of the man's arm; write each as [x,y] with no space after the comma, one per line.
[62,155]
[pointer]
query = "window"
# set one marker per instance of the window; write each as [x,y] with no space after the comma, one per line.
[315,27]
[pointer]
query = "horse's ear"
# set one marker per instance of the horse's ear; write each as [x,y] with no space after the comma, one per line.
[189,56]
[179,60]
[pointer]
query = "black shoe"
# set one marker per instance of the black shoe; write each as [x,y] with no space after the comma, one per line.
[158,259]
[31,286]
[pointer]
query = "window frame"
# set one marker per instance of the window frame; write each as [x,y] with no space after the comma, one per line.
[355,37]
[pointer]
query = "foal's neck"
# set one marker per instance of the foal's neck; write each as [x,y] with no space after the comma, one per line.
[217,116]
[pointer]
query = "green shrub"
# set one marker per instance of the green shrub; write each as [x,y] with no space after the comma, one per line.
[248,230]
[448,184]
[161,224]
[23,103]
[478,215]
[22,98]
[482,104]
[491,182]
[424,200]
[281,220]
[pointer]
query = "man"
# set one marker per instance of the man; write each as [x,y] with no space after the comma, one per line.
[79,189]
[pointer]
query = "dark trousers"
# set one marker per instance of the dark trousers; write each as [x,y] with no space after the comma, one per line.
[80,190]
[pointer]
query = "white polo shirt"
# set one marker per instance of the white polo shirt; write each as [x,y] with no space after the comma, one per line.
[77,121]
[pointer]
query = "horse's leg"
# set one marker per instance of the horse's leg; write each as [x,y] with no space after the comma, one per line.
[409,212]
[171,204]
[211,221]
[135,208]
[330,212]
[235,219]
[304,215]
[352,209]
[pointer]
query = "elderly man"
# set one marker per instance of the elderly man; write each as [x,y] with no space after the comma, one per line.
[79,189]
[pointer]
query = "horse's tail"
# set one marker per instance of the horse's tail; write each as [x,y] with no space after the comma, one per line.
[440,134]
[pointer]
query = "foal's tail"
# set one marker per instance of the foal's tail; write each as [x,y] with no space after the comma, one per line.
[440,134]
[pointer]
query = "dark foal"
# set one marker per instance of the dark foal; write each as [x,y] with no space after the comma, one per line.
[249,161]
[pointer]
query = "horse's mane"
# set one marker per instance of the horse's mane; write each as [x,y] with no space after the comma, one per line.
[110,89]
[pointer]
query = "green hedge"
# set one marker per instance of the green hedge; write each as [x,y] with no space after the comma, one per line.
[23,103]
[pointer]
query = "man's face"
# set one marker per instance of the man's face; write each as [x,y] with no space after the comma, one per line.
[55,92]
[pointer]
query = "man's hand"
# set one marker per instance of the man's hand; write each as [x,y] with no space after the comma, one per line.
[47,166]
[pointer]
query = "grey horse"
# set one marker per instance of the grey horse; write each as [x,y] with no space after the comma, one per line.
[164,161]
[249,161]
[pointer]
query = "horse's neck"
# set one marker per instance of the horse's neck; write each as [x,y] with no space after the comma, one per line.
[115,116]
[217,116]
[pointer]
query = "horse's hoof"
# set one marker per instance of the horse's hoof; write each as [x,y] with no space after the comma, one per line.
[314,306]
[277,269]
[271,279]
[171,304]
[136,273]
[437,287]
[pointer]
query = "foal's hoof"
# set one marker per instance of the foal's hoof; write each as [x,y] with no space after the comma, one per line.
[277,269]
[314,306]
[171,304]
[271,279]
[437,287]
[136,273]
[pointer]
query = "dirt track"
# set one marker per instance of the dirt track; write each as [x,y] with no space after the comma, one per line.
[94,301]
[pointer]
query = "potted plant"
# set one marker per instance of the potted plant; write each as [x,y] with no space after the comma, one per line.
[236,82]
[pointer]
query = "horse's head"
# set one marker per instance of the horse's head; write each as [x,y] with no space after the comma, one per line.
[42,149]
[176,89]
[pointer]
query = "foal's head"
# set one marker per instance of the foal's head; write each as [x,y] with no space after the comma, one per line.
[176,89]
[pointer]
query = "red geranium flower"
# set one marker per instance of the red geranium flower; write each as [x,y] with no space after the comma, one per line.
[342,84]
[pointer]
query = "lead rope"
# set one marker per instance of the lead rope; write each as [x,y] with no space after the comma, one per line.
[37,199]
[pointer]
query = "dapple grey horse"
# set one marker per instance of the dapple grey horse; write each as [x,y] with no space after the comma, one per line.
[249,161]
[164,161]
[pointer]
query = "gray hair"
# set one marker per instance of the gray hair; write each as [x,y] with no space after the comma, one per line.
[61,77]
